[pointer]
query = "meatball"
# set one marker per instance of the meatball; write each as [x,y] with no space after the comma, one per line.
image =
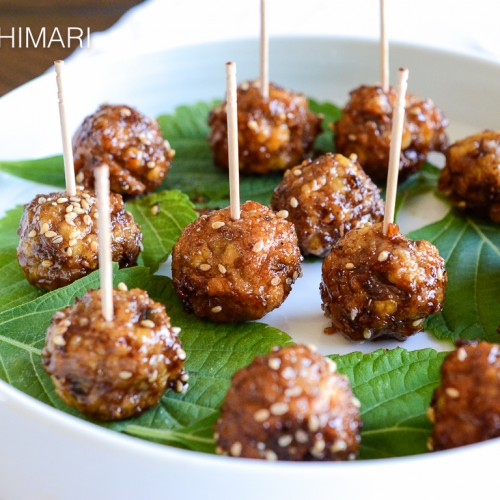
[465,408]
[366,125]
[326,198]
[58,238]
[129,142]
[273,134]
[117,369]
[236,270]
[375,286]
[289,405]
[471,176]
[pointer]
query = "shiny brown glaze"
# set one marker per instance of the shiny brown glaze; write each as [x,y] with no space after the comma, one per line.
[375,286]
[471,176]
[273,134]
[129,142]
[235,270]
[114,370]
[58,238]
[326,198]
[366,124]
[465,408]
[289,405]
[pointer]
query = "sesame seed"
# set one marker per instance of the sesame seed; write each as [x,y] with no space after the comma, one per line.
[282,214]
[147,323]
[353,157]
[57,239]
[125,375]
[430,444]
[50,234]
[62,200]
[144,139]
[319,446]
[59,340]
[47,263]
[461,354]
[78,210]
[216,309]
[94,246]
[86,196]
[218,224]
[87,219]
[176,330]
[185,377]
[293,392]
[122,286]
[288,281]
[125,112]
[367,334]
[84,321]
[439,274]
[71,215]
[69,252]
[452,392]
[274,363]
[76,198]
[72,242]
[356,402]
[42,200]
[275,281]
[235,449]
[312,347]
[74,234]
[220,451]
[32,233]
[418,322]
[180,387]
[258,246]
[85,205]
[301,436]
[431,414]
[279,408]
[297,172]
[153,376]
[313,423]
[288,373]
[285,440]
[261,415]
[166,144]
[383,256]
[44,228]
[294,202]
[339,445]
[151,164]
[349,265]
[69,209]
[155,209]
[79,177]
[270,455]
[332,366]
[181,353]
[354,313]
[351,137]
[261,446]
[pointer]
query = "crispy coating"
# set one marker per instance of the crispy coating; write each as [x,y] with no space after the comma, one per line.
[366,124]
[58,238]
[114,370]
[235,270]
[471,176]
[325,198]
[129,142]
[465,408]
[375,286]
[291,404]
[273,134]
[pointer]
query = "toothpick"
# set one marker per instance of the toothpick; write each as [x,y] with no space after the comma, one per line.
[264,52]
[69,168]
[384,50]
[103,224]
[398,117]
[232,140]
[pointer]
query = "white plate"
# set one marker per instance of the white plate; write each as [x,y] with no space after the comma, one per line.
[48,454]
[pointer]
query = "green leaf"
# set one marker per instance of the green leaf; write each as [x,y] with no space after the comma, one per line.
[15,288]
[332,113]
[471,249]
[395,388]
[214,353]
[162,217]
[48,170]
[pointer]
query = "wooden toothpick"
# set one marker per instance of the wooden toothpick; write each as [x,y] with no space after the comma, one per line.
[398,117]
[103,224]
[69,168]
[232,140]
[384,50]
[264,52]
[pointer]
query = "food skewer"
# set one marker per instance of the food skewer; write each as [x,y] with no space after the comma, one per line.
[264,52]
[384,50]
[104,240]
[395,148]
[232,139]
[69,169]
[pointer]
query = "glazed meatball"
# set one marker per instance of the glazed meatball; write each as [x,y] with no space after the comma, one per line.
[366,125]
[58,238]
[325,198]
[291,404]
[273,134]
[111,370]
[471,176]
[375,286]
[465,408]
[129,142]
[236,270]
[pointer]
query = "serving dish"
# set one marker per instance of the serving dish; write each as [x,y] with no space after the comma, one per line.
[47,454]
